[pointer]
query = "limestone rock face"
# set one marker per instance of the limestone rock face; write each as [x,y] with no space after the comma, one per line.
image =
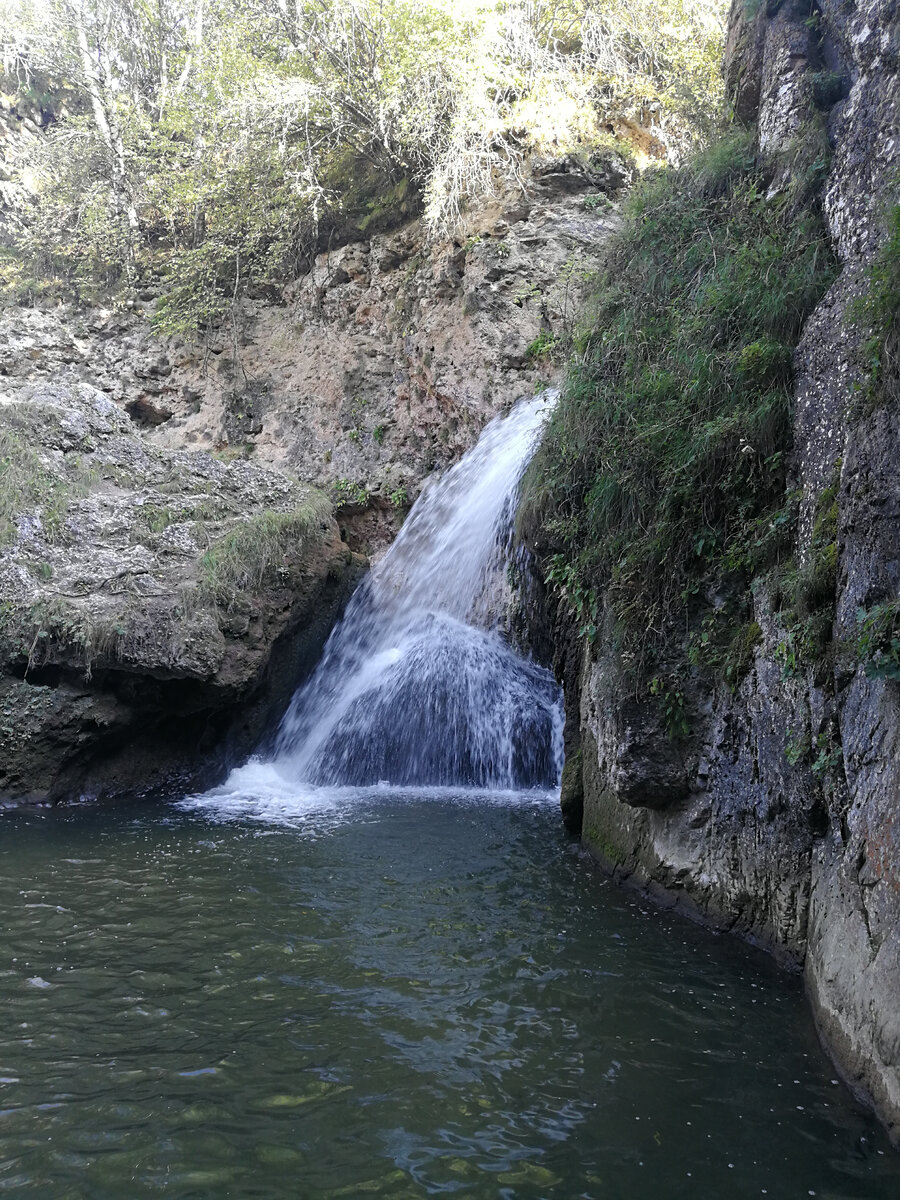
[721,824]
[736,823]
[157,606]
[377,367]
[164,577]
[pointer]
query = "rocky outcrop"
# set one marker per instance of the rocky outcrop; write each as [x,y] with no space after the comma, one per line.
[378,366]
[157,607]
[164,577]
[778,816]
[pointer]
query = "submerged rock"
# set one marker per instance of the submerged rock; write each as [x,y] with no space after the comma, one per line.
[156,606]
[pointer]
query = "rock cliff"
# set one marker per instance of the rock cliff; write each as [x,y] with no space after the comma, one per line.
[158,606]
[164,577]
[378,366]
[778,815]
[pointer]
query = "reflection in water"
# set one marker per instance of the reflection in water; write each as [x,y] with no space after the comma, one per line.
[389,994]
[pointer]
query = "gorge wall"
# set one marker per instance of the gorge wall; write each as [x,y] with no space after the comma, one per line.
[157,605]
[163,566]
[179,519]
[778,814]
[377,367]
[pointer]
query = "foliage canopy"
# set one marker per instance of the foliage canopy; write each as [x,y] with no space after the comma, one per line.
[220,142]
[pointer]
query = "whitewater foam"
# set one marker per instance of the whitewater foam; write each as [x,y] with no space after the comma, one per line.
[419,686]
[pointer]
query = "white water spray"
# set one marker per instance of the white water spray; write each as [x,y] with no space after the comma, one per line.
[418,686]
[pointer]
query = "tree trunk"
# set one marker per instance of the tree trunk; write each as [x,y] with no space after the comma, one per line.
[106,119]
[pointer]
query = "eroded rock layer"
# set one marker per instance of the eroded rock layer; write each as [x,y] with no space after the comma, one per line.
[158,606]
[377,367]
[779,816]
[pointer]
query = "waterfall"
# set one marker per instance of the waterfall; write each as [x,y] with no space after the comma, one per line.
[418,684]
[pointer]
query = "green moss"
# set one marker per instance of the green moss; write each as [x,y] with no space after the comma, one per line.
[382,206]
[827,87]
[571,790]
[741,651]
[659,490]
[595,836]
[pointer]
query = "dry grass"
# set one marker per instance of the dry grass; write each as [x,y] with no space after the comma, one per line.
[29,485]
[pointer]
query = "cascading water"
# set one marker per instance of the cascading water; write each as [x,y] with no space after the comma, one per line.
[418,685]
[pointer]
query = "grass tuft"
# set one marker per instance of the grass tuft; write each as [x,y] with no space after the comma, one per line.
[259,550]
[659,489]
[28,485]
[878,311]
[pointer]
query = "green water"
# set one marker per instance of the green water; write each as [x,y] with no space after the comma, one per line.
[388,995]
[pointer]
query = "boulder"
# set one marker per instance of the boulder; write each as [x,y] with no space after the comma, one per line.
[157,606]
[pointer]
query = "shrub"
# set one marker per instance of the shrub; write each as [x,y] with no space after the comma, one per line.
[878,640]
[348,492]
[218,146]
[541,347]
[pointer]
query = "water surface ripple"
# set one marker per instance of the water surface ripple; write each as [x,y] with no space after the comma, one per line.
[394,994]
